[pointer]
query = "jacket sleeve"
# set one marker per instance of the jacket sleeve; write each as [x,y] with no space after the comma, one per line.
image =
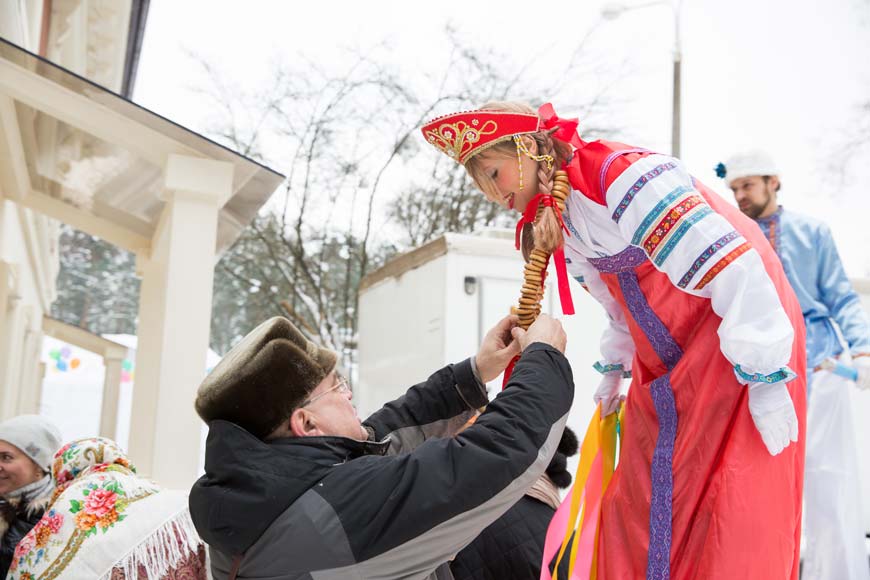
[405,515]
[437,407]
[837,294]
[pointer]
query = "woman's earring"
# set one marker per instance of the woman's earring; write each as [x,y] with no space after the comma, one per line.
[548,159]
[519,159]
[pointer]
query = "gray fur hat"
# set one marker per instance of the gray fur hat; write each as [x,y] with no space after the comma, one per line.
[35,436]
[264,377]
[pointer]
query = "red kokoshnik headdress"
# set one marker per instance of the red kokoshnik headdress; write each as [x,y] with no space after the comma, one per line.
[465,134]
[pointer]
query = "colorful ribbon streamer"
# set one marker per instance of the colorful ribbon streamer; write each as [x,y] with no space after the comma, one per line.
[577,521]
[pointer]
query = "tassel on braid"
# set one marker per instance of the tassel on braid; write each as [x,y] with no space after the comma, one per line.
[548,234]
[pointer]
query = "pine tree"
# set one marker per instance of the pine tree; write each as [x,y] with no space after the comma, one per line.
[97,286]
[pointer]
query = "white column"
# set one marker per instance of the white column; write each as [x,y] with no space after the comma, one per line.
[11,340]
[40,379]
[111,392]
[174,320]
[30,387]
[5,292]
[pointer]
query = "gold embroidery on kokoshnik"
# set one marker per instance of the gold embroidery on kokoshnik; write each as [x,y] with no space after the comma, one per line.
[457,139]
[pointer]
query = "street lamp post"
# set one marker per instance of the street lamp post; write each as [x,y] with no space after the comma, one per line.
[613,11]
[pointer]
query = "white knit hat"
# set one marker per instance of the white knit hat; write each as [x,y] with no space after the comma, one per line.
[746,164]
[35,436]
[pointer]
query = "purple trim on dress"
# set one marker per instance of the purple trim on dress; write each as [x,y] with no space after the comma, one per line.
[655,330]
[639,185]
[706,255]
[661,503]
[628,259]
[609,161]
[661,390]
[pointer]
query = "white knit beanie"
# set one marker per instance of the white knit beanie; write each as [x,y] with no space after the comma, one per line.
[747,164]
[35,436]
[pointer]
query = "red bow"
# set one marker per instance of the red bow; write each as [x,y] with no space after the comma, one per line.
[528,217]
[558,255]
[566,129]
[558,258]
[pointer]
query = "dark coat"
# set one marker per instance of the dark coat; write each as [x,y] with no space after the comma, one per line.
[398,506]
[512,547]
[16,519]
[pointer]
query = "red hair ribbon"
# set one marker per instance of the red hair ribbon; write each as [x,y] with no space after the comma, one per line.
[558,258]
[528,217]
[566,129]
[558,254]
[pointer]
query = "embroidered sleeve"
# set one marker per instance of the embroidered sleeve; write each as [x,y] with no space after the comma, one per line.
[617,346]
[656,207]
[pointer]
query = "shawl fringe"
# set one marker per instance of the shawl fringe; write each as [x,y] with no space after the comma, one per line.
[165,549]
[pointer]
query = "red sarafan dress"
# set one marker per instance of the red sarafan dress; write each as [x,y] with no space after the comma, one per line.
[699,307]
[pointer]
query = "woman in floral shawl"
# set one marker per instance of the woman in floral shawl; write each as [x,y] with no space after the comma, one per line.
[106,522]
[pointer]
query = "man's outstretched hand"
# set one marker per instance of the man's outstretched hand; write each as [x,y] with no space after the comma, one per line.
[497,349]
[545,329]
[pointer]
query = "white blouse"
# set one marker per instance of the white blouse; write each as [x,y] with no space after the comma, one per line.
[654,205]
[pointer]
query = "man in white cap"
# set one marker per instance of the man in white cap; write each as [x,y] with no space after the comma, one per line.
[838,337]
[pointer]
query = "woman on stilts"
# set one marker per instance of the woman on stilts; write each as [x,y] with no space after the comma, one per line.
[709,482]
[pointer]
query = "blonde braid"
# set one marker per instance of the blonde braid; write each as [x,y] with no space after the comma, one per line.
[548,233]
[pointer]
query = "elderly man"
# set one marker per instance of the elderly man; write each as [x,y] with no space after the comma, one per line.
[838,330]
[297,487]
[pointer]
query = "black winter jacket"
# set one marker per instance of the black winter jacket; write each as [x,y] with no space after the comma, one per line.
[16,520]
[398,506]
[511,548]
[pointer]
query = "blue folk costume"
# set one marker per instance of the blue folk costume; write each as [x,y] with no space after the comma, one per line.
[811,262]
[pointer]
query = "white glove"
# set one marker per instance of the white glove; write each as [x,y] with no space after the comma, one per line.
[774,416]
[862,365]
[609,393]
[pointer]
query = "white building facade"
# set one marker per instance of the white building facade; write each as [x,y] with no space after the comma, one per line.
[74,150]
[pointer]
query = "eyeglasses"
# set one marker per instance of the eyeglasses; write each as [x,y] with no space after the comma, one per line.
[341,386]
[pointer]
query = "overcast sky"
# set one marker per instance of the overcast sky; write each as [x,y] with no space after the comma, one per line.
[786,76]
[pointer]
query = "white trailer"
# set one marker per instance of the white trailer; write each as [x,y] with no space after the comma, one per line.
[432,306]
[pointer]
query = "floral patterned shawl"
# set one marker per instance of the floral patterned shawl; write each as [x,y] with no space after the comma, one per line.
[104,518]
